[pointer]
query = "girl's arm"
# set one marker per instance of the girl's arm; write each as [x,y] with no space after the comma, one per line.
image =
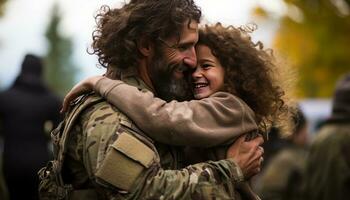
[208,122]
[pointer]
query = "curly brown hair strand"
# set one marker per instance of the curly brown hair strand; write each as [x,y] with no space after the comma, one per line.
[118,30]
[250,71]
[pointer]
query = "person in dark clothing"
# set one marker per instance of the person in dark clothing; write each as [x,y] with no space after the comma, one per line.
[277,142]
[27,110]
[327,174]
[282,177]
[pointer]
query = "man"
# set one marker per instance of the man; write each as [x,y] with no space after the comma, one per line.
[148,44]
[327,173]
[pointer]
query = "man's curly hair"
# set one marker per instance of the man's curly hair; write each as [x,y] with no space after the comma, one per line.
[250,71]
[118,30]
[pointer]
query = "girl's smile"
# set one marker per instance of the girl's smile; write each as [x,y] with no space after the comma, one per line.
[208,77]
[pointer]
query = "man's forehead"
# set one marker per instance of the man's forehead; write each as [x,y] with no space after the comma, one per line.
[189,30]
[190,26]
[188,33]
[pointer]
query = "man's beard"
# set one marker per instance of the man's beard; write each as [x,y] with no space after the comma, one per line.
[166,85]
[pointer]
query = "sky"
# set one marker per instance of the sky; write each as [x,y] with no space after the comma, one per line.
[23,26]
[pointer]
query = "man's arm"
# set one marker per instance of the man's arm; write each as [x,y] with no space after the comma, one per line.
[121,160]
[142,177]
[199,181]
[221,179]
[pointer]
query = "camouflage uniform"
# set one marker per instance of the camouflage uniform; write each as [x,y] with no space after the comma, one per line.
[283,176]
[328,166]
[108,157]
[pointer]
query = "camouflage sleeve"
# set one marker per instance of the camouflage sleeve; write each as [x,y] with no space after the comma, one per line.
[330,152]
[126,164]
[199,181]
[212,121]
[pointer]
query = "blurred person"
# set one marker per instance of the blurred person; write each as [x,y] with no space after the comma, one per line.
[274,145]
[327,173]
[27,111]
[3,188]
[282,177]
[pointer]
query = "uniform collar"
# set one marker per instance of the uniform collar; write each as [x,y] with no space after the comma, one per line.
[131,77]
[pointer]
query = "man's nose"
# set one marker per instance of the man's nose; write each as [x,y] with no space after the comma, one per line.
[191,58]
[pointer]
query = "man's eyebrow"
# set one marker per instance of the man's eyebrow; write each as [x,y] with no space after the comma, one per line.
[186,44]
[189,43]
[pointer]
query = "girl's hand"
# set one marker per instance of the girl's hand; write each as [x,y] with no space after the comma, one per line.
[84,86]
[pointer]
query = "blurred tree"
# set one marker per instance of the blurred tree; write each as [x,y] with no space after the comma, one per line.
[314,36]
[2,7]
[60,70]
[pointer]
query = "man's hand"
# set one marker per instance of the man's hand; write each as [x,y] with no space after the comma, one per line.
[247,154]
[84,86]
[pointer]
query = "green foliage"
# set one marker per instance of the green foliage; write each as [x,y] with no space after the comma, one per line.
[317,45]
[60,71]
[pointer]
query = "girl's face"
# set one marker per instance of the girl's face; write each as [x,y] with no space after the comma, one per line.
[208,77]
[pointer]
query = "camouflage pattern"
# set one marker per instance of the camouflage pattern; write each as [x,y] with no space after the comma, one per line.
[283,176]
[92,140]
[328,167]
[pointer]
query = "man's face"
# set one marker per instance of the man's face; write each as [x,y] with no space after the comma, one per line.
[172,63]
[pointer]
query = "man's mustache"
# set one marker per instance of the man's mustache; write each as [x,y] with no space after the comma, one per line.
[181,68]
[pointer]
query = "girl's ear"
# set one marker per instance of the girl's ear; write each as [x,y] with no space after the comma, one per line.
[145,46]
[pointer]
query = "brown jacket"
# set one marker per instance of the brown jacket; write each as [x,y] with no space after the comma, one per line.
[216,120]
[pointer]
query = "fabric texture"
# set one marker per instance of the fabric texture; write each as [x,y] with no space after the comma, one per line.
[283,177]
[216,120]
[327,173]
[100,126]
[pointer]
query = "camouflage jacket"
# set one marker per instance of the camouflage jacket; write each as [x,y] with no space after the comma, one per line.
[283,176]
[108,157]
[327,173]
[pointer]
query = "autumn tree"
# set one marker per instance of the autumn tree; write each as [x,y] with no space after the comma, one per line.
[314,36]
[2,7]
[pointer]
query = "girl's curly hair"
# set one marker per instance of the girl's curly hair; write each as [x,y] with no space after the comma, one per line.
[118,30]
[250,71]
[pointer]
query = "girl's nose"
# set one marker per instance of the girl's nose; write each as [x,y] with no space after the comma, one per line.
[197,73]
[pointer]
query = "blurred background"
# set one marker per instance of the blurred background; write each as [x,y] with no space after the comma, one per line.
[309,37]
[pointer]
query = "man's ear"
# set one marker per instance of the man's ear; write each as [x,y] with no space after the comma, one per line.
[145,46]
